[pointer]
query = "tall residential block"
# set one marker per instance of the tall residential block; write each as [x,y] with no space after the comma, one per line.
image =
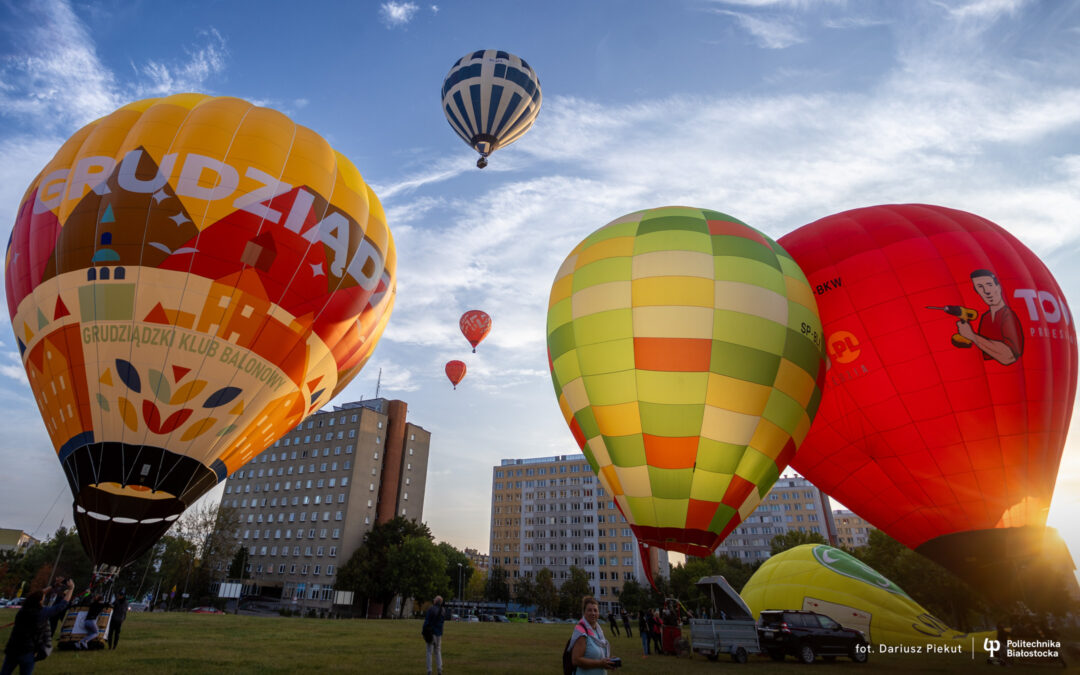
[793,503]
[305,504]
[552,512]
[851,530]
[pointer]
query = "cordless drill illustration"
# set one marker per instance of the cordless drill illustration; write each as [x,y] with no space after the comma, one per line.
[965,314]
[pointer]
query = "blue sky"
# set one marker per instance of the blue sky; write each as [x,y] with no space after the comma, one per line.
[778,112]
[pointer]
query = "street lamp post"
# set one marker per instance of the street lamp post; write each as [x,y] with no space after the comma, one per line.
[460,599]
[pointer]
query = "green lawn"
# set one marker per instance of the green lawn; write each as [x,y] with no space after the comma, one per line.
[206,643]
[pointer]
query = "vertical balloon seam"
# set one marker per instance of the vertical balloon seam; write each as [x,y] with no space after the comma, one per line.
[236,126]
[223,442]
[903,212]
[370,195]
[133,135]
[907,213]
[836,390]
[99,451]
[964,225]
[363,227]
[1024,274]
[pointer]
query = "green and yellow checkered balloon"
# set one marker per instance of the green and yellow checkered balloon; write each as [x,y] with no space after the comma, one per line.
[686,352]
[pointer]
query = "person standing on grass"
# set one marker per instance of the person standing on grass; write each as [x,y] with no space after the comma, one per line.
[626,623]
[613,623]
[590,651]
[433,623]
[31,632]
[643,630]
[120,610]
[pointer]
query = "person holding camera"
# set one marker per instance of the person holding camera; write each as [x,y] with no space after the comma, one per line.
[589,650]
[31,638]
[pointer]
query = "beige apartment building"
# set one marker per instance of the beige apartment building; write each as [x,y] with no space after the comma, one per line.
[306,502]
[851,530]
[793,503]
[552,512]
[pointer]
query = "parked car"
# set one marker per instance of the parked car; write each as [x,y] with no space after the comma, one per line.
[473,619]
[138,606]
[501,618]
[807,635]
[17,603]
[207,610]
[487,617]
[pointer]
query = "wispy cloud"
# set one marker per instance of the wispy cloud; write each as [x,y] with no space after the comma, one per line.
[52,74]
[396,14]
[771,33]
[204,60]
[987,9]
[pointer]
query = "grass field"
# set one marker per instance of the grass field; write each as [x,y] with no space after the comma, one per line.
[208,643]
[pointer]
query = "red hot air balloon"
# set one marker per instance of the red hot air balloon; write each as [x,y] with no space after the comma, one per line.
[951,383]
[475,326]
[455,370]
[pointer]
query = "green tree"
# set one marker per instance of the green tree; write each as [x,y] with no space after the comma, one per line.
[459,576]
[368,572]
[633,596]
[238,566]
[572,591]
[793,538]
[73,561]
[497,588]
[474,589]
[418,570]
[525,591]
[547,594]
[932,586]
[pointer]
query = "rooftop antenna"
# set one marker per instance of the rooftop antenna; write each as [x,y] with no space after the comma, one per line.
[378,383]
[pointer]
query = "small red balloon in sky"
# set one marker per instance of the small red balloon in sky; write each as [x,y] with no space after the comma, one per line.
[455,371]
[951,381]
[475,325]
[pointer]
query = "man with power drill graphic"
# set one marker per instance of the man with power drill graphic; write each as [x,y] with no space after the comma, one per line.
[999,335]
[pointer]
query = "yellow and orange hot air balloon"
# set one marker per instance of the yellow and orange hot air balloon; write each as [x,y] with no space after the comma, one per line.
[187,279]
[686,353]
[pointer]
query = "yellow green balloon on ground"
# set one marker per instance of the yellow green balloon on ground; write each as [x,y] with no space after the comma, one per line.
[686,352]
[829,581]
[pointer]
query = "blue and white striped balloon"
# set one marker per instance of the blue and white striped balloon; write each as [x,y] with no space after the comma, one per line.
[490,98]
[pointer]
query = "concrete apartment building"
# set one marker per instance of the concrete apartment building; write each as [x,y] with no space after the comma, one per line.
[851,530]
[15,540]
[552,512]
[794,503]
[306,502]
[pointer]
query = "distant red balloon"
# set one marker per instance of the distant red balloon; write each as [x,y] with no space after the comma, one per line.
[952,375]
[455,370]
[475,325]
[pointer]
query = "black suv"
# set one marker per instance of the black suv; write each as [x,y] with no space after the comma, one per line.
[807,635]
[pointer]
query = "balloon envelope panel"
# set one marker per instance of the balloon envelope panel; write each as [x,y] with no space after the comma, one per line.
[685,350]
[187,279]
[952,373]
[829,581]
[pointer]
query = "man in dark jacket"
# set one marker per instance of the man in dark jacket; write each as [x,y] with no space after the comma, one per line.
[119,613]
[32,626]
[433,622]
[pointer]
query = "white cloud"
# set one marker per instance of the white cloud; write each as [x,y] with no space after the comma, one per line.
[203,61]
[771,33]
[56,78]
[987,9]
[397,13]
